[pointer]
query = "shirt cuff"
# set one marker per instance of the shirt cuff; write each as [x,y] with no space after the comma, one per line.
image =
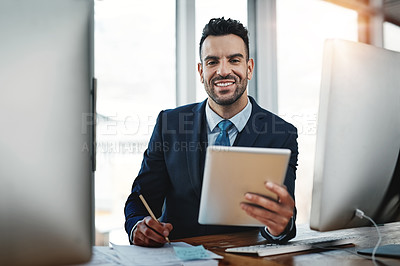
[288,229]
[133,229]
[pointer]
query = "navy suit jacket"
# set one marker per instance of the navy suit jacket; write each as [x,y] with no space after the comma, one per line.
[171,174]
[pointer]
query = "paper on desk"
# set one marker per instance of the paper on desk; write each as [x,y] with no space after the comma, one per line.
[135,255]
[104,256]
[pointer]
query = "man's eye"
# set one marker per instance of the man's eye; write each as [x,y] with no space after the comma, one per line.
[235,60]
[210,63]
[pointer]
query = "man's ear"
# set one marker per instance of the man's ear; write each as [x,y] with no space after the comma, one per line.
[200,70]
[250,68]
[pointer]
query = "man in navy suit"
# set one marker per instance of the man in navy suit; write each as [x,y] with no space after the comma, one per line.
[171,175]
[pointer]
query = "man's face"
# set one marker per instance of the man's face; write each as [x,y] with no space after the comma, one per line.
[224,69]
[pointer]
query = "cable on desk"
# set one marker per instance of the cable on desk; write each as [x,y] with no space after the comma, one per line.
[360,214]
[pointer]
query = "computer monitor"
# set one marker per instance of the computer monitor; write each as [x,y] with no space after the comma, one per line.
[46,178]
[358,137]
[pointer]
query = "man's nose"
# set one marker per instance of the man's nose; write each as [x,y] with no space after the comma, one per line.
[224,69]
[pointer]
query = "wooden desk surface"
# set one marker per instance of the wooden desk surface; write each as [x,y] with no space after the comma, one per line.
[366,237]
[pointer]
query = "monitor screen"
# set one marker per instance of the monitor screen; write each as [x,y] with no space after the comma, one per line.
[45,138]
[358,137]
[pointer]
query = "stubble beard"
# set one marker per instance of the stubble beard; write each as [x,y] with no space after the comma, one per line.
[240,89]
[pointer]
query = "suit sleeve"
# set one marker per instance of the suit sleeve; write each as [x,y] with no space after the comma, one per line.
[290,230]
[152,181]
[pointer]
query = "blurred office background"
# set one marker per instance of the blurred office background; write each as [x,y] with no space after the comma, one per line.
[145,61]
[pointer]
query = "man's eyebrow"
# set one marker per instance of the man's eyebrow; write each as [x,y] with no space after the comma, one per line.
[236,55]
[213,57]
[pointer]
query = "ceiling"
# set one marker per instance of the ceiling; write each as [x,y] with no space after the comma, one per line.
[391,8]
[392,11]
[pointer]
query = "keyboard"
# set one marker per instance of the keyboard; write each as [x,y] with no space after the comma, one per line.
[293,246]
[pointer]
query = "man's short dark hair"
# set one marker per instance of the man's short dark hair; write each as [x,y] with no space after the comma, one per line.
[221,27]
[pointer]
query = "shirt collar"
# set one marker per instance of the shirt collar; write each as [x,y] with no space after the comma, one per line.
[239,120]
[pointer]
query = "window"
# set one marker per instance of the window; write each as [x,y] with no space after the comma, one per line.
[135,68]
[302,27]
[391,36]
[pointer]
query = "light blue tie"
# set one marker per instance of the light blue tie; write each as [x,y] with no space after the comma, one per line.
[223,137]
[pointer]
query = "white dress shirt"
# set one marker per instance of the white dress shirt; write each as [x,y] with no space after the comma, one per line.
[239,121]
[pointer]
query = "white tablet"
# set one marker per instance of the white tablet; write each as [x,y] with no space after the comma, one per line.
[229,173]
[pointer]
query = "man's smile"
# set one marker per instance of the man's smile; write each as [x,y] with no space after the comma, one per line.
[223,84]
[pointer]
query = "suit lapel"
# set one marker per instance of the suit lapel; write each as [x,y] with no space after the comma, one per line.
[196,139]
[254,126]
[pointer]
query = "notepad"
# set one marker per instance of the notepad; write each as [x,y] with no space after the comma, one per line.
[191,253]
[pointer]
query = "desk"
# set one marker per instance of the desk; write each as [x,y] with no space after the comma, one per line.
[366,238]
